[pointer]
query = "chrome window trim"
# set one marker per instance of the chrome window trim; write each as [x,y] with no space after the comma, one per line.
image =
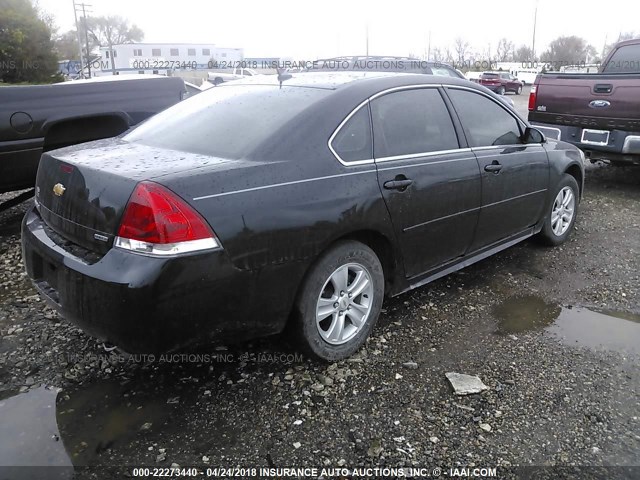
[337,131]
[367,101]
[428,154]
[504,107]
[512,145]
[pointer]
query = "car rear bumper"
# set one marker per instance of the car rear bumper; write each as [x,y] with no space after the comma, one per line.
[142,304]
[623,146]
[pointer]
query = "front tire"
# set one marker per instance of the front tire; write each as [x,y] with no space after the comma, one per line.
[339,302]
[562,214]
[519,90]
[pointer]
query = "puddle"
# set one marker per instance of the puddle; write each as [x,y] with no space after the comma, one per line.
[74,429]
[577,326]
[522,314]
[29,435]
[105,415]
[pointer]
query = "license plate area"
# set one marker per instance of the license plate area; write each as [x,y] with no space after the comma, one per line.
[595,137]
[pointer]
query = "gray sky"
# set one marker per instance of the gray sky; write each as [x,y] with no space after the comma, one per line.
[307,30]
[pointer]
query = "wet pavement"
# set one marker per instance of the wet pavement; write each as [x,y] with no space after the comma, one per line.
[553,333]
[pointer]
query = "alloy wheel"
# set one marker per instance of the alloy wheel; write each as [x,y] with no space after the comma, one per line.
[344,303]
[563,210]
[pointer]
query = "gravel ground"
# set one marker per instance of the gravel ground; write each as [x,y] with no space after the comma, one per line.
[552,399]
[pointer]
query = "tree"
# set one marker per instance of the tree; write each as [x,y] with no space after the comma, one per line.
[26,48]
[461,48]
[567,51]
[66,46]
[622,36]
[505,50]
[523,54]
[110,31]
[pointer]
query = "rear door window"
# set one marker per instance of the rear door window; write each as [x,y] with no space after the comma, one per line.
[485,122]
[411,122]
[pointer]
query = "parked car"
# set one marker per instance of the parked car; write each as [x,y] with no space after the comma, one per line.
[261,206]
[501,82]
[600,113]
[39,118]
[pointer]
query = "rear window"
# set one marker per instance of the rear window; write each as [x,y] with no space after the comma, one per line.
[227,121]
[624,60]
[489,75]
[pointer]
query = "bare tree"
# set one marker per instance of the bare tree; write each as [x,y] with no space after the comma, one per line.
[622,36]
[436,55]
[523,54]
[461,48]
[505,50]
[571,50]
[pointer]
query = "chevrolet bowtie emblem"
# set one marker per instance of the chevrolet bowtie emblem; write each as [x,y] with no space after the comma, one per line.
[58,189]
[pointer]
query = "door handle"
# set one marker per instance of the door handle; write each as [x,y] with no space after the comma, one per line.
[494,167]
[397,184]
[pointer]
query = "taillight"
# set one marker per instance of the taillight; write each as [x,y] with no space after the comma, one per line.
[532,98]
[156,221]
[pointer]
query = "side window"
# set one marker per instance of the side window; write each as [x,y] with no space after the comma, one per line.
[353,141]
[486,123]
[411,122]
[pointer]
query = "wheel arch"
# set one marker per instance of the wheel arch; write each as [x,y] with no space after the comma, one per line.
[576,172]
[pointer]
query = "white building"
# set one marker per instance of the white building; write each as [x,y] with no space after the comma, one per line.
[161,58]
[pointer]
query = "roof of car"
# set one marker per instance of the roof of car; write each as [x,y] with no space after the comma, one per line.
[337,80]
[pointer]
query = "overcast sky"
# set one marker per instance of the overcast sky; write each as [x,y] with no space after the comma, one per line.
[308,30]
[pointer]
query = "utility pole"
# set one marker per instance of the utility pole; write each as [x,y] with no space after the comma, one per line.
[429,47]
[75,14]
[86,30]
[367,40]
[533,43]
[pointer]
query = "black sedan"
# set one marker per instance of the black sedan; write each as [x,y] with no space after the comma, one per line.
[290,203]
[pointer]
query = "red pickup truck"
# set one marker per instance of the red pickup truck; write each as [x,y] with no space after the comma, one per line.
[597,112]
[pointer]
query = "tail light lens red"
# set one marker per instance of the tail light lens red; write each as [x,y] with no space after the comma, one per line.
[533,97]
[156,221]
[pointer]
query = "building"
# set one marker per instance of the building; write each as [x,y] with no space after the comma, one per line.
[162,58]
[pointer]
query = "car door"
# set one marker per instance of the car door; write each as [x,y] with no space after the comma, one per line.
[430,185]
[515,175]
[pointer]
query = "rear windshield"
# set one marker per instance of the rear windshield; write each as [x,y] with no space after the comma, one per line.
[624,60]
[490,75]
[227,121]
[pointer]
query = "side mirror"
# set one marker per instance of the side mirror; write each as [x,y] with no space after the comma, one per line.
[533,135]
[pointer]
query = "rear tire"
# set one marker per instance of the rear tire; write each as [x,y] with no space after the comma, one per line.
[501,91]
[519,90]
[562,214]
[339,302]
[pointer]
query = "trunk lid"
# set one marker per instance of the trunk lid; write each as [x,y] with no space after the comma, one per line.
[82,191]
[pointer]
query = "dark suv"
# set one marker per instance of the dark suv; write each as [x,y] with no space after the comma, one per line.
[501,82]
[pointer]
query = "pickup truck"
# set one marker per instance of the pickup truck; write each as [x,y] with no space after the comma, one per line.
[597,112]
[38,118]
